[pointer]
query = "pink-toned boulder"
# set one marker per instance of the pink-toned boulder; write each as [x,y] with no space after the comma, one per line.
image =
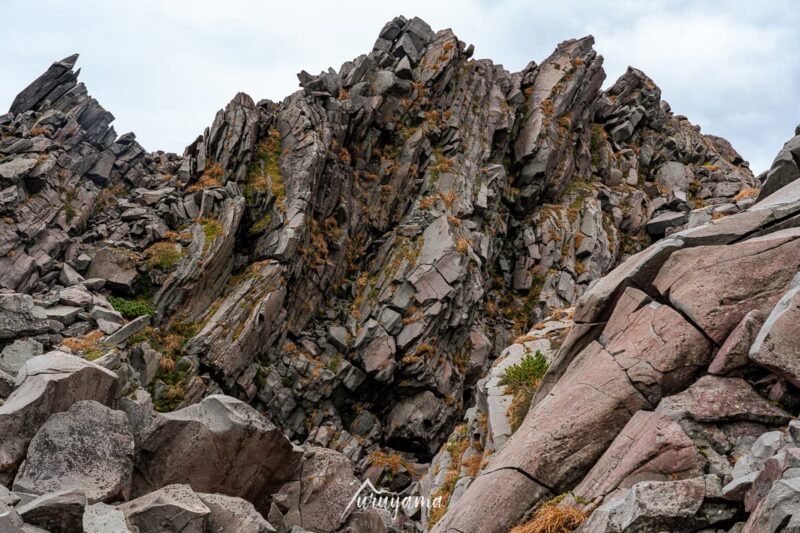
[777,344]
[651,447]
[718,399]
[716,286]
[659,351]
[733,353]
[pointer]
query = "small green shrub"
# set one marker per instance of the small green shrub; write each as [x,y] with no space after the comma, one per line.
[527,373]
[522,380]
[131,308]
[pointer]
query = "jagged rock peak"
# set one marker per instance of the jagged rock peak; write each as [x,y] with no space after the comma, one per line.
[59,75]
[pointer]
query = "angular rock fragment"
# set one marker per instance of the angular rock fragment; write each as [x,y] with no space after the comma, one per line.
[716,287]
[58,512]
[171,508]
[104,518]
[218,445]
[233,514]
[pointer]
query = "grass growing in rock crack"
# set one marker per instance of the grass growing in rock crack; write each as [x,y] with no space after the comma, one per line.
[552,517]
[212,229]
[522,380]
[456,446]
[265,174]
[88,345]
[164,255]
[171,345]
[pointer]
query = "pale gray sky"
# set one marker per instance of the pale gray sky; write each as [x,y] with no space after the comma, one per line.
[164,67]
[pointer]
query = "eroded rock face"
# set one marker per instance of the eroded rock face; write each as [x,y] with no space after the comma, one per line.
[60,512]
[600,391]
[774,345]
[650,447]
[234,514]
[659,505]
[327,484]
[715,287]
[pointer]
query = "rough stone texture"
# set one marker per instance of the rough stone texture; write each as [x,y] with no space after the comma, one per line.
[350,260]
[785,169]
[733,353]
[218,445]
[776,344]
[104,518]
[233,514]
[171,508]
[20,317]
[117,267]
[10,520]
[651,447]
[717,286]
[57,512]
[657,506]
[327,485]
[778,511]
[88,447]
[13,356]
[715,399]
[648,352]
[48,384]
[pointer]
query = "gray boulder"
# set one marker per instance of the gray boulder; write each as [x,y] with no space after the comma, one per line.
[327,485]
[104,518]
[48,384]
[779,510]
[116,266]
[122,334]
[218,445]
[88,447]
[656,506]
[659,224]
[20,317]
[13,356]
[10,521]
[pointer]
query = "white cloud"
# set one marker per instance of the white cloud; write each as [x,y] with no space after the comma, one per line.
[164,67]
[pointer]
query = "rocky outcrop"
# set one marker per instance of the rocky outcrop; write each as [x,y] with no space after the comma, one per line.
[713,285]
[355,269]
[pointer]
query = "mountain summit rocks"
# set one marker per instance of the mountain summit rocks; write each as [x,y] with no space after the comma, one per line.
[322,285]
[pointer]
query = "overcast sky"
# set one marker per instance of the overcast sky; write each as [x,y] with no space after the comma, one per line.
[164,67]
